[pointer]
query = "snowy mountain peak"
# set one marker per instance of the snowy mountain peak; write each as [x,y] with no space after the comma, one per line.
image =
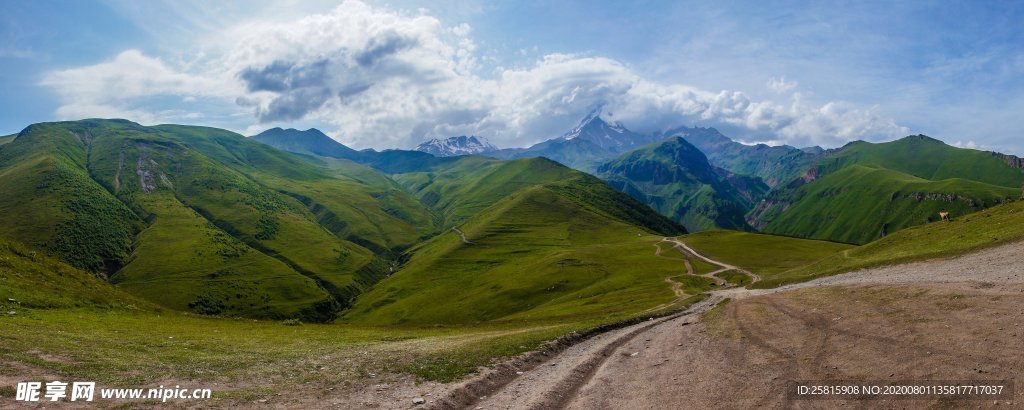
[453,146]
[612,136]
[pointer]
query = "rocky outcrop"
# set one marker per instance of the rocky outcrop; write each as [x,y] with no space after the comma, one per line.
[1011,160]
[947,197]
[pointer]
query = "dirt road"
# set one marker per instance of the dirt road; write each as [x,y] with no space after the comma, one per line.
[953,319]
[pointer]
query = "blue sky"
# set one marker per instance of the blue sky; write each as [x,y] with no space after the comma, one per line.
[390,74]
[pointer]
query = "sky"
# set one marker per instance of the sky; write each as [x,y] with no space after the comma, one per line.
[390,74]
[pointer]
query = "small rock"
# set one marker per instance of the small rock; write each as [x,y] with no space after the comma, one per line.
[418,401]
[519,373]
[634,354]
[12,313]
[261,400]
[11,300]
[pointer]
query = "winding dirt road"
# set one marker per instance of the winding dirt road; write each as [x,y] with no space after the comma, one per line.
[950,319]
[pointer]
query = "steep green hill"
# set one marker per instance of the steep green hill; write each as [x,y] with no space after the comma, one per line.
[50,200]
[675,178]
[858,204]
[539,253]
[775,165]
[999,225]
[224,224]
[865,191]
[466,186]
[7,138]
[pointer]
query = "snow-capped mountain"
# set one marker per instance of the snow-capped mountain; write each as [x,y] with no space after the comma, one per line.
[613,137]
[453,146]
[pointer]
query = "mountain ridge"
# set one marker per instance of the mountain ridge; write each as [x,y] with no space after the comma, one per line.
[456,146]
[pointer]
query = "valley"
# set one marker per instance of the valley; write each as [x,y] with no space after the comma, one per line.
[486,205]
[342,276]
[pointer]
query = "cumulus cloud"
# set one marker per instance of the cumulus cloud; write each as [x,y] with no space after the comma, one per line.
[384,78]
[122,86]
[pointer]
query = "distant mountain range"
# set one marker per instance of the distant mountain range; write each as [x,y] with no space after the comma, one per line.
[703,180]
[455,146]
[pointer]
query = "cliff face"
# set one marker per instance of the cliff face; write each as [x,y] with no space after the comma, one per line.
[1011,160]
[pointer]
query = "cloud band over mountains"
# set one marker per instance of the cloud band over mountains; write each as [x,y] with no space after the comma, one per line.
[384,78]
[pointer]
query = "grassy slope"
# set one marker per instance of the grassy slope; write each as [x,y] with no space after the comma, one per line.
[569,262]
[263,219]
[472,183]
[352,201]
[866,189]
[35,281]
[71,324]
[676,179]
[994,226]
[859,202]
[83,190]
[775,165]
[765,255]
[927,158]
[49,200]
[465,186]
[7,138]
[362,205]
[184,262]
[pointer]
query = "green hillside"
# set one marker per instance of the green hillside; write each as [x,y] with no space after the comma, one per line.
[765,255]
[469,184]
[51,202]
[927,158]
[32,280]
[998,225]
[775,165]
[675,178]
[865,191]
[859,204]
[231,225]
[540,253]
[352,201]
[7,138]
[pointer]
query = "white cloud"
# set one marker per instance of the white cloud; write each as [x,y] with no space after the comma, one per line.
[780,85]
[122,86]
[384,78]
[968,144]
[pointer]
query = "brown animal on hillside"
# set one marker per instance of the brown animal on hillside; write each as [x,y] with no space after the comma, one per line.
[944,216]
